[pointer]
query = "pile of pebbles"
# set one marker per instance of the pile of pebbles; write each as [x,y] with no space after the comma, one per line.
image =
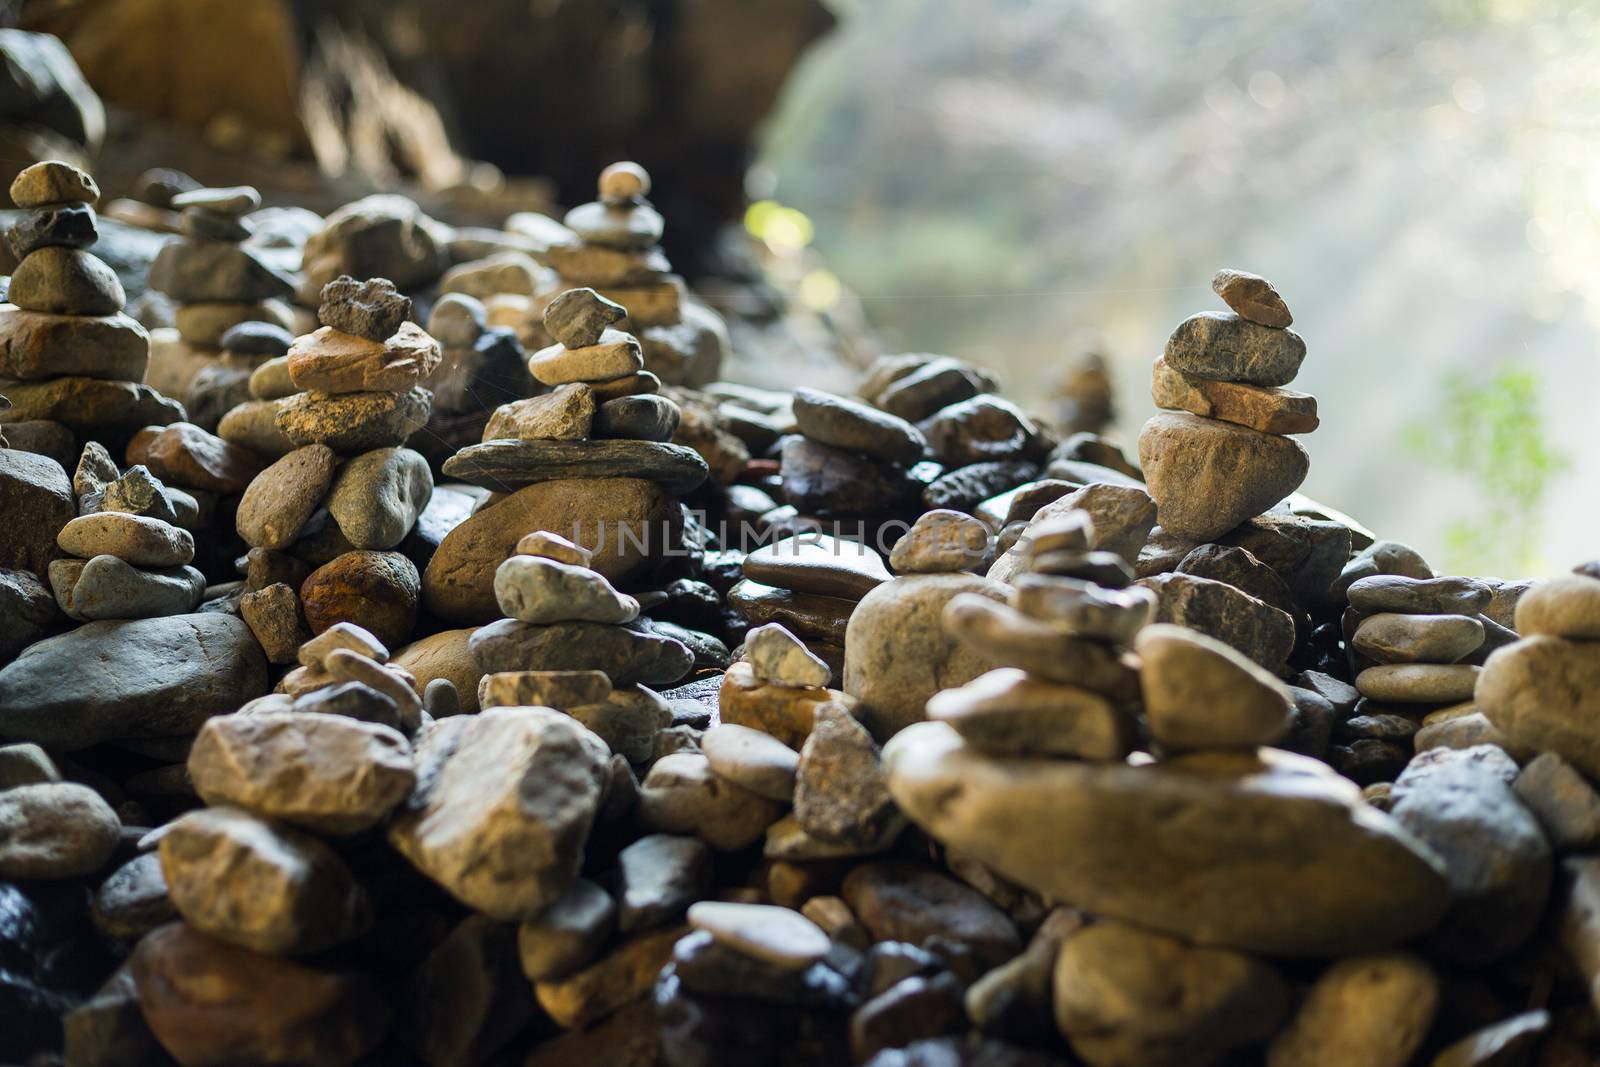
[324,521]
[989,752]
[217,283]
[74,365]
[613,245]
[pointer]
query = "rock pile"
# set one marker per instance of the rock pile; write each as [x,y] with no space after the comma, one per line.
[1007,773]
[1409,640]
[589,460]
[75,362]
[218,283]
[1224,455]
[612,244]
[324,521]
[1062,683]
[128,553]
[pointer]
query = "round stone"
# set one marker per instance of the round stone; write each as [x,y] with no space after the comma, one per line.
[1395,638]
[375,590]
[619,183]
[66,281]
[379,495]
[751,758]
[55,830]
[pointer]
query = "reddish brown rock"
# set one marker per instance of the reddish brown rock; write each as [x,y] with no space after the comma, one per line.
[376,590]
[183,454]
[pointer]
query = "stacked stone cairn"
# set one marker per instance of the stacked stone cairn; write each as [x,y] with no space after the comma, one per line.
[589,460]
[482,367]
[1220,454]
[73,363]
[325,520]
[217,283]
[612,244]
[1129,809]
[567,625]
[128,553]
[1410,640]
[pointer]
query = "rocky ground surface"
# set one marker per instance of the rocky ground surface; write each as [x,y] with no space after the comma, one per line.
[412,650]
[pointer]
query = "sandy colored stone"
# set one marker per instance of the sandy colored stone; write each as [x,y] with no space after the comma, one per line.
[564,414]
[1418,683]
[334,362]
[324,772]
[1123,996]
[1252,297]
[1264,408]
[35,344]
[1372,1010]
[1390,637]
[261,886]
[751,758]
[615,355]
[898,653]
[278,501]
[1567,606]
[1207,477]
[626,972]
[1008,711]
[1200,693]
[55,830]
[91,407]
[784,712]
[1544,692]
[444,655]
[503,806]
[353,422]
[779,936]
[52,181]
[1179,847]
[135,539]
[213,1004]
[683,795]
[66,281]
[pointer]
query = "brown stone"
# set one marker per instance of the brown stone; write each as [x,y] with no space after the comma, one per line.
[627,522]
[376,590]
[1252,297]
[212,1004]
[334,362]
[1260,407]
[185,455]
[1208,476]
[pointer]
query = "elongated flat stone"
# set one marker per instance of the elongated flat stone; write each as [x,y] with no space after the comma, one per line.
[36,344]
[1263,852]
[1259,407]
[506,465]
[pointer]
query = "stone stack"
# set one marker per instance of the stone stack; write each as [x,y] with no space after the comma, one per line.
[1062,684]
[325,520]
[217,282]
[612,244]
[209,471]
[565,618]
[128,553]
[1222,453]
[589,461]
[75,362]
[1409,640]
[482,367]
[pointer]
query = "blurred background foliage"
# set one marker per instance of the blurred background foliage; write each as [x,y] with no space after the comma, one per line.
[1022,181]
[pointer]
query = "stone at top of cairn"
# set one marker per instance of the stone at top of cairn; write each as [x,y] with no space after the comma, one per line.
[624,182]
[622,218]
[373,309]
[53,182]
[1252,297]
